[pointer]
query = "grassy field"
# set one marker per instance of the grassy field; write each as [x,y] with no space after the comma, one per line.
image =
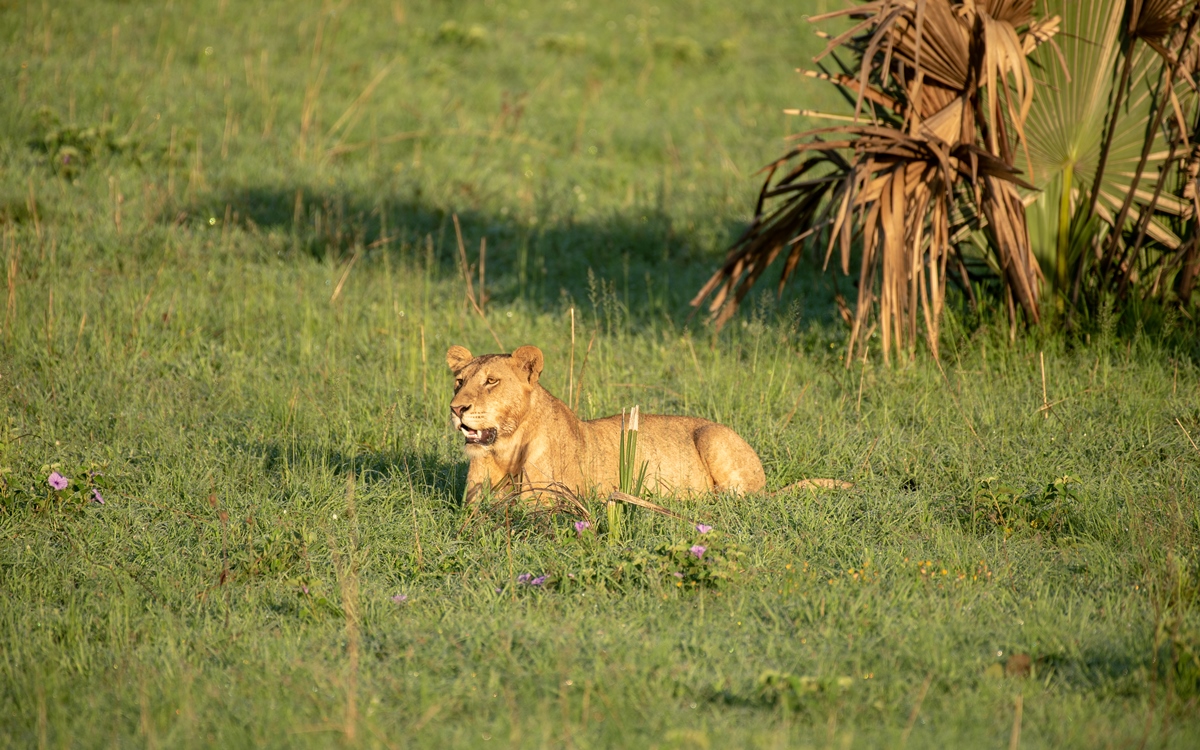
[232,274]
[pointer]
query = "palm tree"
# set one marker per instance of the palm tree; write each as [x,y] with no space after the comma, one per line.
[952,137]
[1107,143]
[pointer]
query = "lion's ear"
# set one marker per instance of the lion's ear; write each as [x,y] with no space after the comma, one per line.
[529,359]
[457,357]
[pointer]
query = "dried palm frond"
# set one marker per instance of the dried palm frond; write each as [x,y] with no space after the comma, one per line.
[941,90]
[1151,20]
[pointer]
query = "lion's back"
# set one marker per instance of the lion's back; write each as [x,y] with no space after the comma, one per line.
[683,454]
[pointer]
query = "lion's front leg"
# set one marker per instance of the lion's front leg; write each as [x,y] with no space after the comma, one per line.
[484,475]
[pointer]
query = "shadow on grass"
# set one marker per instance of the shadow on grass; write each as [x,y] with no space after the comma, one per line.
[632,267]
[423,471]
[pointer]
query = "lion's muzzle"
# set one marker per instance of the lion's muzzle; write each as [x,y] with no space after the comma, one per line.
[486,436]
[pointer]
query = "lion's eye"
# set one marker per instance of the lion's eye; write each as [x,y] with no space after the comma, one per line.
[458,384]
[491,381]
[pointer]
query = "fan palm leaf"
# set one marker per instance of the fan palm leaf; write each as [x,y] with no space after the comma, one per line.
[1074,135]
[940,90]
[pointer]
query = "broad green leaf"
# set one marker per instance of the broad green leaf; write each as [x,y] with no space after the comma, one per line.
[1066,128]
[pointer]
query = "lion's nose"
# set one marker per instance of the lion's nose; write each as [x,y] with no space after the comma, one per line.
[458,411]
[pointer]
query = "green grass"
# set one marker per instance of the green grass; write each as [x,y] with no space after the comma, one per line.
[277,464]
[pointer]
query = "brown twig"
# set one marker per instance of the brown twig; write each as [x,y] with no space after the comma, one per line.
[488,325]
[867,457]
[862,376]
[695,359]
[1045,401]
[583,371]
[788,419]
[462,257]
[381,242]
[912,717]
[337,290]
[1014,739]
[571,362]
[1186,434]
[623,497]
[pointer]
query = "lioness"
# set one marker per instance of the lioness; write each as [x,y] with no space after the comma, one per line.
[516,431]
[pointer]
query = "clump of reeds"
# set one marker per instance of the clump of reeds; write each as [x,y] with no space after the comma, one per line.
[627,482]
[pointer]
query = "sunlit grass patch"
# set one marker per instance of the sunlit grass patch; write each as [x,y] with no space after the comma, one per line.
[231,334]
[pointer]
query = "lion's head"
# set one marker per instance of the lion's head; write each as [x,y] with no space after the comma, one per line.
[491,392]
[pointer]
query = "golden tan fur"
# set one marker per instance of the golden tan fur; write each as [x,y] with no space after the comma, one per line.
[516,430]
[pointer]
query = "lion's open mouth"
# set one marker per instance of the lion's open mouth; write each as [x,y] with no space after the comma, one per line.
[479,437]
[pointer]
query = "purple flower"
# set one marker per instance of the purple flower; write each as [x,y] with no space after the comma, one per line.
[400,598]
[703,528]
[57,481]
[304,588]
[698,550]
[96,496]
[581,526]
[524,578]
[499,590]
[677,574]
[538,581]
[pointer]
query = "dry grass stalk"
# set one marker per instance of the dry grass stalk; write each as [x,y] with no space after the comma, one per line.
[50,323]
[79,335]
[10,306]
[795,407]
[483,298]
[916,711]
[555,499]
[355,110]
[571,362]
[476,303]
[622,497]
[1045,400]
[318,67]
[32,206]
[347,574]
[1187,434]
[337,290]
[583,372]
[1014,738]
[552,499]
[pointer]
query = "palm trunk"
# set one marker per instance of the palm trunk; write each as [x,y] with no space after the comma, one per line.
[1062,261]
